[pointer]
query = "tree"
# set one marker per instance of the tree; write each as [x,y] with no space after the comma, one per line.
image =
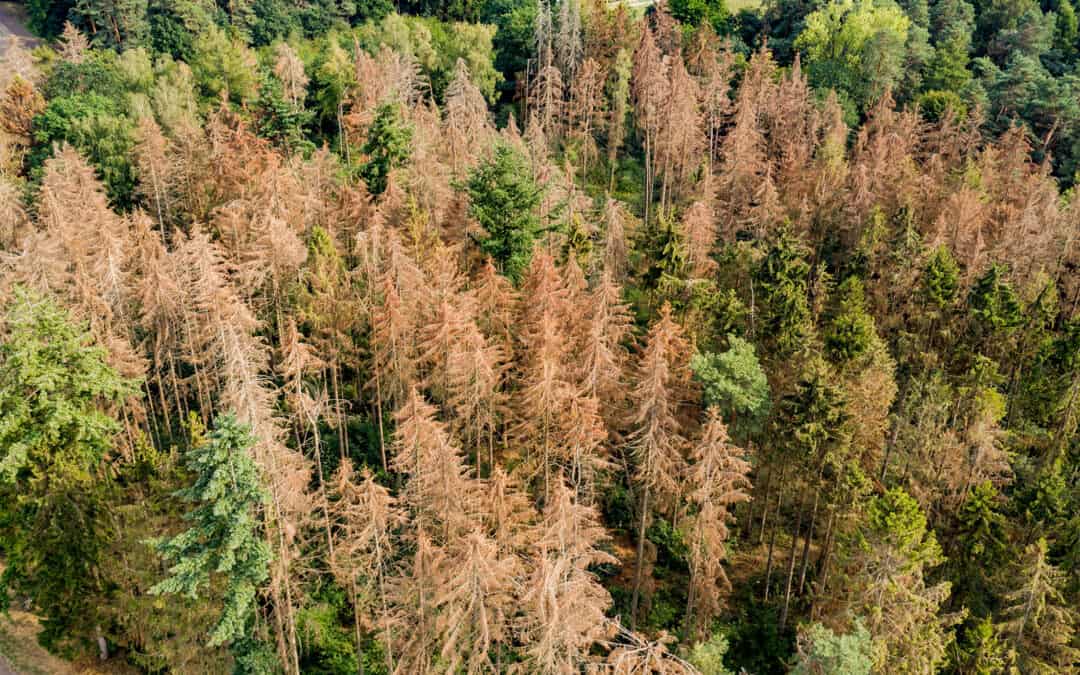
[657,440]
[885,581]
[503,198]
[224,540]
[388,147]
[855,47]
[58,401]
[823,652]
[734,381]
[717,480]
[1037,621]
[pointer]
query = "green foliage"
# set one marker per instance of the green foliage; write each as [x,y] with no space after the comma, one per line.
[697,12]
[224,537]
[175,24]
[280,120]
[223,66]
[436,46]
[994,304]
[823,652]
[982,548]
[981,651]
[735,381]
[329,648]
[934,104]
[47,17]
[503,197]
[850,333]
[56,393]
[515,22]
[122,23]
[812,418]
[708,656]
[856,47]
[894,520]
[388,146]
[782,278]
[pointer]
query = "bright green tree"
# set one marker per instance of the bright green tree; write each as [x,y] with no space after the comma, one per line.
[57,403]
[823,652]
[885,579]
[850,334]
[503,197]
[856,47]
[224,539]
[735,381]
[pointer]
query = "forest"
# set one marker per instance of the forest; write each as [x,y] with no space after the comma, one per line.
[542,336]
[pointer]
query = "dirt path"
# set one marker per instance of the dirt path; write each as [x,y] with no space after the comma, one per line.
[13,31]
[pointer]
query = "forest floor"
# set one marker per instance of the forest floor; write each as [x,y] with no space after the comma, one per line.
[20,653]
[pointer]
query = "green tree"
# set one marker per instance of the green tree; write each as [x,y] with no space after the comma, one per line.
[980,651]
[281,120]
[503,197]
[888,562]
[698,12]
[981,544]
[735,381]
[850,332]
[223,65]
[57,397]
[708,656]
[388,146]
[223,540]
[856,47]
[781,279]
[823,652]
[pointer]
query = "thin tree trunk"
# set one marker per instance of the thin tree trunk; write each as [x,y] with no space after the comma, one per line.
[806,540]
[790,572]
[772,545]
[639,571]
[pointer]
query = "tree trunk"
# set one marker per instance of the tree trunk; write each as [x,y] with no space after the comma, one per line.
[790,572]
[639,571]
[806,540]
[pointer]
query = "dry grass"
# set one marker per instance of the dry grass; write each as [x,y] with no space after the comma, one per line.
[19,650]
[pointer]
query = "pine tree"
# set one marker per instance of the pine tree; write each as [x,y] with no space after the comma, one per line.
[58,403]
[563,602]
[885,581]
[1036,620]
[717,480]
[224,540]
[658,440]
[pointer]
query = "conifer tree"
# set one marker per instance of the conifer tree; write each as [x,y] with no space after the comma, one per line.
[1037,621]
[716,482]
[58,402]
[885,581]
[503,198]
[223,541]
[563,602]
[658,440]
[367,517]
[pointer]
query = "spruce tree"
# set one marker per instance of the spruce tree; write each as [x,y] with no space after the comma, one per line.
[1037,620]
[224,540]
[503,198]
[58,399]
